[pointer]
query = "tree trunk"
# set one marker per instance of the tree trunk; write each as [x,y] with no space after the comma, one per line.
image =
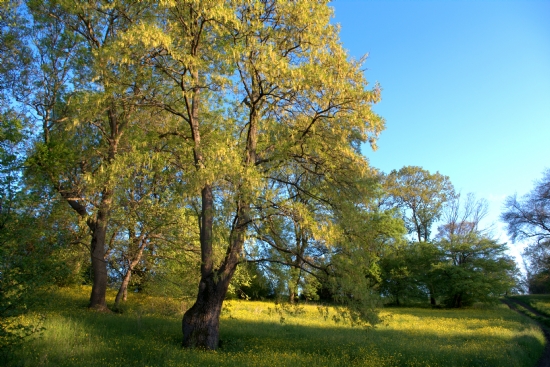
[432,297]
[99,268]
[123,290]
[292,297]
[98,252]
[200,324]
[458,300]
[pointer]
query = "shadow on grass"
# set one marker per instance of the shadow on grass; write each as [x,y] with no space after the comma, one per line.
[83,338]
[143,337]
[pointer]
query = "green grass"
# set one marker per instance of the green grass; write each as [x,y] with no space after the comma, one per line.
[540,302]
[148,333]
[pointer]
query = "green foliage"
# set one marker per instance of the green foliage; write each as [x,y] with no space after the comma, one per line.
[421,196]
[474,269]
[463,265]
[407,274]
[176,140]
[255,286]
[35,252]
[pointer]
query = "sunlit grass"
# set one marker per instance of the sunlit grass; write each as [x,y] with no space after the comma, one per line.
[540,302]
[263,334]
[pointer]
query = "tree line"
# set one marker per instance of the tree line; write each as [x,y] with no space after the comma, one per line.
[206,148]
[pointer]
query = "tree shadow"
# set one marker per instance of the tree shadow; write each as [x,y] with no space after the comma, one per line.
[86,338]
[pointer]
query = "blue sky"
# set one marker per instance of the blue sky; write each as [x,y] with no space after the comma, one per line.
[465,89]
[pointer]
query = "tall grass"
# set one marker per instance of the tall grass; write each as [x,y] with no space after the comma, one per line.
[148,333]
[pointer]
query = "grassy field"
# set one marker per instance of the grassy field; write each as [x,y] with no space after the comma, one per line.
[540,302]
[254,334]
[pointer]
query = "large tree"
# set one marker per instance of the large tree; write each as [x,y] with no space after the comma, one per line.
[83,104]
[258,88]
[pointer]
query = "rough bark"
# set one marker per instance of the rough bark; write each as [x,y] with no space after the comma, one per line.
[99,266]
[200,324]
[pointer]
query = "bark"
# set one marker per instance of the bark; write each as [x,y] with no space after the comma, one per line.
[122,294]
[99,266]
[98,226]
[200,324]
[98,229]
[123,290]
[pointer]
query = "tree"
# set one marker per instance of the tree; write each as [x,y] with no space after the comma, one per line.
[146,217]
[462,265]
[536,259]
[422,197]
[257,88]
[528,219]
[473,267]
[407,273]
[84,104]
[36,238]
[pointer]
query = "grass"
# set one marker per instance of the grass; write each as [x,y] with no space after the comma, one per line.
[148,333]
[540,302]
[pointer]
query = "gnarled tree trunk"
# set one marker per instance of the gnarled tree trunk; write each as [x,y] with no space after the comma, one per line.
[200,324]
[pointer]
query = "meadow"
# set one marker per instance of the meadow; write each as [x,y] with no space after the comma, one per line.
[265,334]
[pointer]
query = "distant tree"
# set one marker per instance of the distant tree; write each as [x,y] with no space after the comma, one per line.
[536,259]
[460,266]
[473,266]
[421,196]
[528,219]
[259,285]
[405,272]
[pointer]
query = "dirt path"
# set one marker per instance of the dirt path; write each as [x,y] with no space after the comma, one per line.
[544,360]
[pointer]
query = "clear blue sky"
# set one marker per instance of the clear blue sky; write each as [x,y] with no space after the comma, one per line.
[465,88]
